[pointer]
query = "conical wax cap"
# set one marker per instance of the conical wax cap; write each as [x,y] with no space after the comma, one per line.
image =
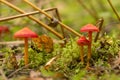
[25,33]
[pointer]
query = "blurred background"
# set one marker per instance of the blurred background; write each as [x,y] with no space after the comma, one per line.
[74,13]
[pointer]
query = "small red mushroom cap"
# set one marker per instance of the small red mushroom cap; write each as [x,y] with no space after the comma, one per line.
[82,41]
[89,28]
[4,29]
[25,33]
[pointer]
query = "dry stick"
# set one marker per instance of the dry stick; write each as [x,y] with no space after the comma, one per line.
[18,16]
[89,11]
[100,23]
[58,15]
[22,15]
[19,70]
[113,9]
[3,74]
[1,70]
[43,12]
[59,18]
[49,63]
[0,10]
[33,18]
[101,5]
[93,10]
[11,42]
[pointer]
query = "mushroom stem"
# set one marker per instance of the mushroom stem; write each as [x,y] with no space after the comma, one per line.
[88,56]
[89,49]
[26,51]
[0,36]
[90,37]
[81,54]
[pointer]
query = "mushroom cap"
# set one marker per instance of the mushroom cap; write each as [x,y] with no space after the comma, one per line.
[89,28]
[4,29]
[25,33]
[82,41]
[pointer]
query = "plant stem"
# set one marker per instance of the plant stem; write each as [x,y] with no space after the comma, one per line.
[23,15]
[26,51]
[59,18]
[0,36]
[3,74]
[17,70]
[93,10]
[88,10]
[114,10]
[101,5]
[90,36]
[100,23]
[88,56]
[89,49]
[49,63]
[81,54]
[18,16]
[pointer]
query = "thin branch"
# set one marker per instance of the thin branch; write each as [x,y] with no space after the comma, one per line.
[3,74]
[23,15]
[88,10]
[11,42]
[18,16]
[93,9]
[58,17]
[101,5]
[114,10]
[100,24]
[49,63]
[19,70]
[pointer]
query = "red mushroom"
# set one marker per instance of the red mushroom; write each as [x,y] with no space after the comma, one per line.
[3,29]
[89,28]
[81,42]
[25,33]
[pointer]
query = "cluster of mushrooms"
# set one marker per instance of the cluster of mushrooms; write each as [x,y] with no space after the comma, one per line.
[82,41]
[26,33]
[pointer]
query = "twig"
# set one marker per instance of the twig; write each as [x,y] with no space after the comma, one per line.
[49,63]
[0,10]
[94,11]
[18,16]
[22,15]
[3,75]
[100,24]
[18,70]
[117,61]
[58,16]
[11,42]
[88,10]
[101,5]
[114,10]
[1,70]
